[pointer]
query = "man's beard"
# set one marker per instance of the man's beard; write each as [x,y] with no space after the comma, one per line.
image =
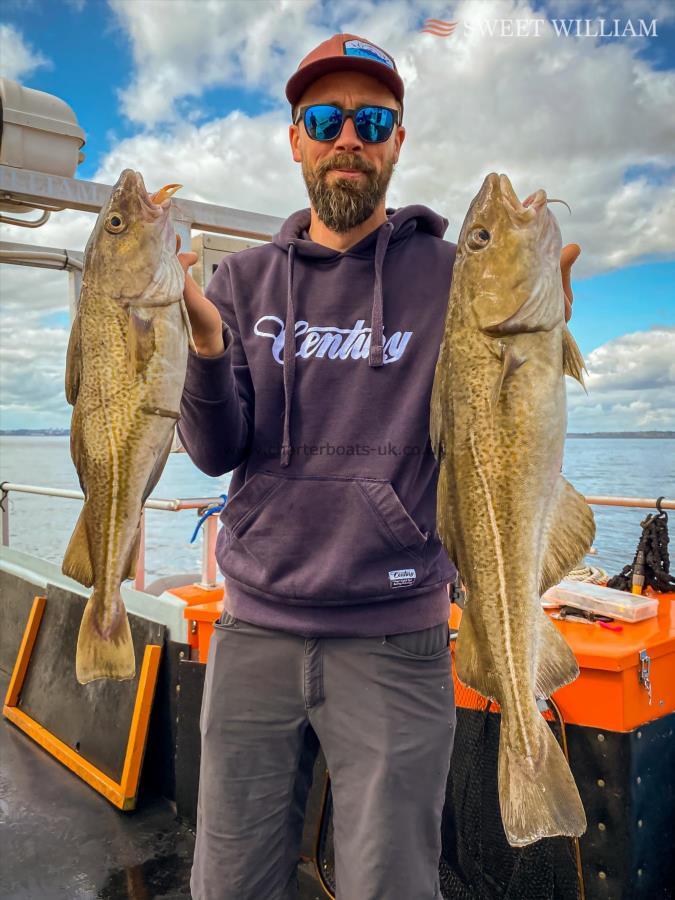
[345,203]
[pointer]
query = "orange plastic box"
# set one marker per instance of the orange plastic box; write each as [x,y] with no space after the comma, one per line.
[609,693]
[193,595]
[201,617]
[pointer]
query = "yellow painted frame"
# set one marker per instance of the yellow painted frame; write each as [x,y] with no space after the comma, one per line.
[122,795]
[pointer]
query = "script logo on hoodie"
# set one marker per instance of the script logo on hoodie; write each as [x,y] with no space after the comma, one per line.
[330,341]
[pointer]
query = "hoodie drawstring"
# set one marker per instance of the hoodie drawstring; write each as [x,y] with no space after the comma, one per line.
[289,360]
[376,355]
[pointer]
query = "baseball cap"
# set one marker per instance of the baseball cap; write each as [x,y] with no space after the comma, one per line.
[345,52]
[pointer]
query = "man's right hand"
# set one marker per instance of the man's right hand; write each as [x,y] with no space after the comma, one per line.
[207,325]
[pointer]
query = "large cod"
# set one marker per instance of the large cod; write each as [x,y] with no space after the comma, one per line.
[125,371]
[505,514]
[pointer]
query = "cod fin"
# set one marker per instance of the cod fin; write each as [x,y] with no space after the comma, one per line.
[573,361]
[158,468]
[557,665]
[436,411]
[133,556]
[444,518]
[188,326]
[537,796]
[471,669]
[77,560]
[153,478]
[104,657]
[73,363]
[511,362]
[519,312]
[140,343]
[570,530]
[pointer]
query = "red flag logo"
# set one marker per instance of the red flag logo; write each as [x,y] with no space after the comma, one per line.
[439,27]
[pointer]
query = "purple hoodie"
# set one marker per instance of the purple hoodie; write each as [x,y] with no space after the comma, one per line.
[320,402]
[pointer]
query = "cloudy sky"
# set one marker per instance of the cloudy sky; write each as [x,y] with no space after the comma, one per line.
[192,91]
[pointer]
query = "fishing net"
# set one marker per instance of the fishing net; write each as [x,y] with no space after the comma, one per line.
[478,863]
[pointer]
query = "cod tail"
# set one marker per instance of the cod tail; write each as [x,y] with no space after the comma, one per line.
[104,651]
[537,795]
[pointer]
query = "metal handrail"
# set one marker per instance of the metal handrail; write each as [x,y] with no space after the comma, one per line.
[25,187]
[208,568]
[636,502]
[150,503]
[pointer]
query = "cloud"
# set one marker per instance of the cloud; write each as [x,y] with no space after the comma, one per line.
[32,366]
[203,45]
[32,353]
[662,10]
[236,161]
[17,58]
[631,385]
[581,118]
[68,229]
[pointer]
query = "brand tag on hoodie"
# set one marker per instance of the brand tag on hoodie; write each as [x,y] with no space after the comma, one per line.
[402,577]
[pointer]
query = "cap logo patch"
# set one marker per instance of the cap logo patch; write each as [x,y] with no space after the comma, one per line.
[361,48]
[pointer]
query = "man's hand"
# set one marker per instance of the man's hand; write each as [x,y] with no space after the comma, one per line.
[207,326]
[568,256]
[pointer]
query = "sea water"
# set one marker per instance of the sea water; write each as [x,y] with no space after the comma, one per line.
[626,467]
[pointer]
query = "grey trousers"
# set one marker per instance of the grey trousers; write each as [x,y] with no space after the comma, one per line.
[383,710]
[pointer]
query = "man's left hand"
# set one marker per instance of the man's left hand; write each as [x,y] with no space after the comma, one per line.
[568,256]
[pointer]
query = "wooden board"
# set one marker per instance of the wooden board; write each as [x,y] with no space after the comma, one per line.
[98,730]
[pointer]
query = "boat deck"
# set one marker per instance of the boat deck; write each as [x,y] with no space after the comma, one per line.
[63,841]
[60,840]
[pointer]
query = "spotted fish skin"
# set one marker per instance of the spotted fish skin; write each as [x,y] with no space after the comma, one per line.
[510,521]
[125,372]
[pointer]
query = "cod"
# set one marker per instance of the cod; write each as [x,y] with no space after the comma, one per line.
[125,371]
[505,514]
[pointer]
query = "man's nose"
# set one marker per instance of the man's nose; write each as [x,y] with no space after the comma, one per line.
[348,138]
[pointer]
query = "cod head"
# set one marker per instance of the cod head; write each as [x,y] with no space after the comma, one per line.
[508,256]
[132,249]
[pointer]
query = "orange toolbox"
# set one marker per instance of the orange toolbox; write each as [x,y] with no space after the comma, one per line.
[627,677]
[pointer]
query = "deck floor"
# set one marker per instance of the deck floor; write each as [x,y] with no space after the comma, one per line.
[60,840]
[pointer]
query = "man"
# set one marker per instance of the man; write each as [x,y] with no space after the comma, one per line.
[316,360]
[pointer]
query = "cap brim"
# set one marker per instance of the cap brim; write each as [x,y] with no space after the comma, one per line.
[300,81]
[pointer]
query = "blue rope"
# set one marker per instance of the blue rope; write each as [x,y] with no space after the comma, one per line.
[209,512]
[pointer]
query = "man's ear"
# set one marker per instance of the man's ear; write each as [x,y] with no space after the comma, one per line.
[398,138]
[294,138]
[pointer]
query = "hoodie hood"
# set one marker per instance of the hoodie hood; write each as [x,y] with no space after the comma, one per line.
[403,222]
[293,239]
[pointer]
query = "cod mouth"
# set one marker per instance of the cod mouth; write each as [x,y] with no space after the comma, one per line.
[529,208]
[158,201]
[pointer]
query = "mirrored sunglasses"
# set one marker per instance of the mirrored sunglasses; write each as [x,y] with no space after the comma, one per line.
[324,121]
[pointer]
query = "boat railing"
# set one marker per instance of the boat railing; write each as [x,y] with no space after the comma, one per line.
[202,505]
[209,568]
[635,502]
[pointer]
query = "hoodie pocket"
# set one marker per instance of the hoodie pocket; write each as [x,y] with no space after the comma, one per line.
[321,539]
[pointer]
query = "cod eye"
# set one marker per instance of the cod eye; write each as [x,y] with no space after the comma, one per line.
[478,239]
[115,223]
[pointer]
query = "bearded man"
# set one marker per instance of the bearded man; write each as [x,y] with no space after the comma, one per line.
[312,381]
